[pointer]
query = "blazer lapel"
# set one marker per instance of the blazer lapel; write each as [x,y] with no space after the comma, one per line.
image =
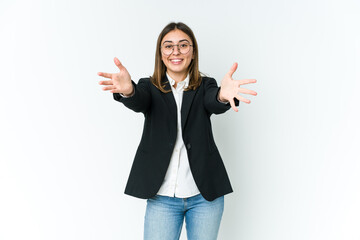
[169,99]
[188,98]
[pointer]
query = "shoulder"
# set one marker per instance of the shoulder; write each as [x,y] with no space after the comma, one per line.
[145,80]
[208,81]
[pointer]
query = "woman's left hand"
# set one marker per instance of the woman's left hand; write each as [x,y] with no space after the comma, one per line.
[230,88]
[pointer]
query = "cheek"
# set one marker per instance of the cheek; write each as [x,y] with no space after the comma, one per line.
[164,58]
[191,57]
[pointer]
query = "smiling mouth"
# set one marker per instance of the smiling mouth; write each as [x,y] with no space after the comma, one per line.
[176,61]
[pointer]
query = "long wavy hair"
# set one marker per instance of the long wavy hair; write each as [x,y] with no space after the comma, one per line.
[160,68]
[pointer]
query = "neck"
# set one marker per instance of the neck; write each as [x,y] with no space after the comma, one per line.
[178,77]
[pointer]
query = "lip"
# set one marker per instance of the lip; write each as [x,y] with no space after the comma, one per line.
[176,61]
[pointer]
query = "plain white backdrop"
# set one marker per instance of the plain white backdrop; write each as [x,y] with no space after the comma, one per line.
[66,147]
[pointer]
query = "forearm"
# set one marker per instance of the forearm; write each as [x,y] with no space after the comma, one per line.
[139,100]
[213,103]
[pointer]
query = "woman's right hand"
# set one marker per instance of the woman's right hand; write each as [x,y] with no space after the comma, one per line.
[120,82]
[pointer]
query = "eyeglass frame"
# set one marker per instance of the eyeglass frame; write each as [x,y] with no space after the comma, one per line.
[173,46]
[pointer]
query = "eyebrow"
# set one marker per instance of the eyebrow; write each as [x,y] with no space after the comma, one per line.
[179,41]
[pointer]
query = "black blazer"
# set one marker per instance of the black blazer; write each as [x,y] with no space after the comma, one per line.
[159,134]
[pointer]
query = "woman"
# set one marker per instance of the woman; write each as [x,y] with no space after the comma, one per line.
[177,166]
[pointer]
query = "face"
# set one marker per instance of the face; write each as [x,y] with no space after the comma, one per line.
[177,63]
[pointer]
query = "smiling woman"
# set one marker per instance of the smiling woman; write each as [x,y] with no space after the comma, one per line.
[177,166]
[176,51]
[177,57]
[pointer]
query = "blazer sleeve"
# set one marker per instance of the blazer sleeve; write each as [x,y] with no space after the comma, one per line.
[141,99]
[211,102]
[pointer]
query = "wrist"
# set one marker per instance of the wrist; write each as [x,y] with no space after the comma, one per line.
[128,93]
[220,99]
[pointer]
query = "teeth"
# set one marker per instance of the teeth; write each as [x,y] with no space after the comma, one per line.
[176,60]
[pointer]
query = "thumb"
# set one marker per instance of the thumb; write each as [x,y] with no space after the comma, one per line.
[118,63]
[233,69]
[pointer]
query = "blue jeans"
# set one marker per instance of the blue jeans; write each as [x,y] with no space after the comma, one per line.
[164,218]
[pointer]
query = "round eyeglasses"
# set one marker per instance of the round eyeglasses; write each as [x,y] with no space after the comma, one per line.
[168,48]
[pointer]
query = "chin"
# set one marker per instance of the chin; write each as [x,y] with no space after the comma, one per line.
[177,71]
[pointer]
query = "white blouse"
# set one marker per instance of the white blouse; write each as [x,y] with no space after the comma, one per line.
[179,181]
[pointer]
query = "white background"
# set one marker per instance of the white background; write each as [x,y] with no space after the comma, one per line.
[66,147]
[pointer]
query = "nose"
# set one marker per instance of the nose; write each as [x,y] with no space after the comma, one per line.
[176,50]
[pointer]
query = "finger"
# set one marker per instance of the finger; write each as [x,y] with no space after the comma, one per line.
[240,98]
[118,63]
[115,91]
[246,81]
[232,104]
[247,91]
[233,69]
[106,83]
[109,88]
[107,75]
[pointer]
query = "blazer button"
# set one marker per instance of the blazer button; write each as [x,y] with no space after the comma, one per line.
[188,146]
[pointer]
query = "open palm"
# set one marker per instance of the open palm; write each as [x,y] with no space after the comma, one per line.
[230,88]
[120,82]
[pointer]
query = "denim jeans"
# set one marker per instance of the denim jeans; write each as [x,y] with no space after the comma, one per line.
[164,218]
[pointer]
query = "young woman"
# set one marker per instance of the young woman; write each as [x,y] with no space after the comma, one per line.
[177,166]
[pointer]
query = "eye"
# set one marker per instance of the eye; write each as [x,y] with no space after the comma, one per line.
[169,46]
[184,45]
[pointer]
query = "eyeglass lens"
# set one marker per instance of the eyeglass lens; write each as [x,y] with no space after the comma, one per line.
[168,48]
